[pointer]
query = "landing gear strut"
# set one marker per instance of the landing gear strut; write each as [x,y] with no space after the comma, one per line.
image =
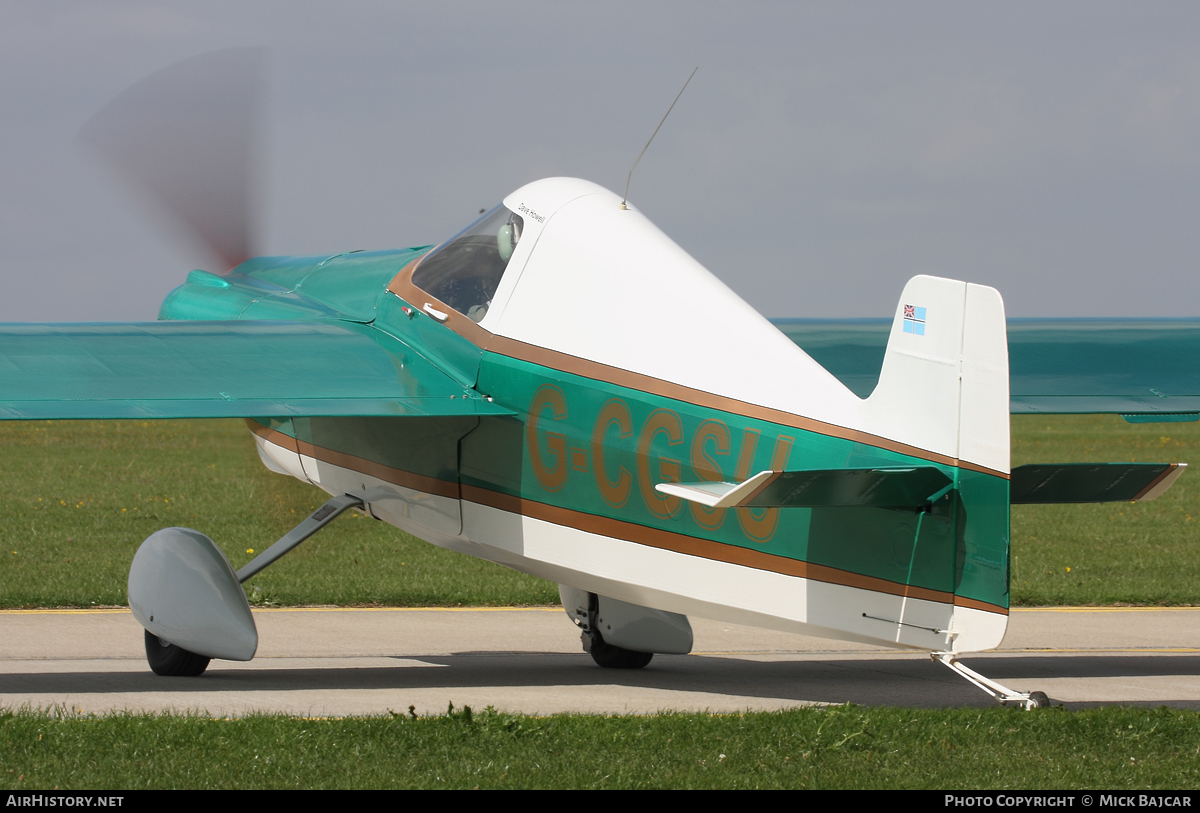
[185,593]
[1029,700]
[620,635]
[603,653]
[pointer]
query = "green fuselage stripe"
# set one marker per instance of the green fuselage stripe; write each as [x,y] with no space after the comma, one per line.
[598,448]
[588,453]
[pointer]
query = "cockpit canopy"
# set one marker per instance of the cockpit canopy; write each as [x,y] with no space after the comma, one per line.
[465,271]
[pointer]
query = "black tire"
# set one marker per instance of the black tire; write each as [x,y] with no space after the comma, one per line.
[1038,700]
[614,657]
[169,660]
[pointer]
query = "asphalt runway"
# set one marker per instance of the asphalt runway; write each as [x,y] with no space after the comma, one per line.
[336,662]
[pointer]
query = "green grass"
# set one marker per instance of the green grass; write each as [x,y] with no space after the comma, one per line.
[836,747]
[1113,553]
[79,497]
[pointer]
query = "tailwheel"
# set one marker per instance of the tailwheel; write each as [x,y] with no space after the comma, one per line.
[613,657]
[1038,700]
[169,660]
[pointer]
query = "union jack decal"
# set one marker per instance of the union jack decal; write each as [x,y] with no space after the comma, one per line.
[914,320]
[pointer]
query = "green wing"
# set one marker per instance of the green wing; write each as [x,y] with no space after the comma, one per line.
[1129,366]
[216,369]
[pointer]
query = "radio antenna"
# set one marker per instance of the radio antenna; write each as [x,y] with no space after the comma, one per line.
[656,129]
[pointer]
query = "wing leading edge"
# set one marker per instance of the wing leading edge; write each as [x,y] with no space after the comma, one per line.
[217,369]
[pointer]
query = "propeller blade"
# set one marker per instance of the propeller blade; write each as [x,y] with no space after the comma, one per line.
[184,137]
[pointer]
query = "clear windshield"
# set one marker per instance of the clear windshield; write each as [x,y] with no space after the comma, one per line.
[465,271]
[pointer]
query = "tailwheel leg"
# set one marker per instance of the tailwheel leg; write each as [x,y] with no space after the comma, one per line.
[1003,694]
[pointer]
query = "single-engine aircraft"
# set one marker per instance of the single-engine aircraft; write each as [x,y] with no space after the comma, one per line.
[562,389]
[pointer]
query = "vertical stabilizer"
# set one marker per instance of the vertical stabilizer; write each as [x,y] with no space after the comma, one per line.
[944,389]
[944,383]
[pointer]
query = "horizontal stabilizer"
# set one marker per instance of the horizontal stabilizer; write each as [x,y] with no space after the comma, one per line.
[1050,483]
[220,369]
[910,487]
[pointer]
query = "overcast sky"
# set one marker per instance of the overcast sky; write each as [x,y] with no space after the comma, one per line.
[823,154]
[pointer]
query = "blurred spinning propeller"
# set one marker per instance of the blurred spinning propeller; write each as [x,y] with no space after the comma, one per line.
[185,138]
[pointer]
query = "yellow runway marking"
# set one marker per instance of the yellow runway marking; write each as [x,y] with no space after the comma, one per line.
[554,609]
[1142,650]
[103,611]
[407,609]
[1188,609]
[111,610]
[826,653]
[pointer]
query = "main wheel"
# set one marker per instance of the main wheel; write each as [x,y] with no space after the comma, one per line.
[614,657]
[1038,700]
[173,661]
